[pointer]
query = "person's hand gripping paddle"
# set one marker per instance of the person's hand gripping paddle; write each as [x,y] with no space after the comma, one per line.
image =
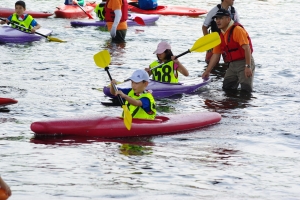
[102,59]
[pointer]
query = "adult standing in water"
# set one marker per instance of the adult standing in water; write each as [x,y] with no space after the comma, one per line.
[116,14]
[236,44]
[210,23]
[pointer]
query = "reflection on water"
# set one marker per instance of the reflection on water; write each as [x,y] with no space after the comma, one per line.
[134,150]
[11,91]
[231,99]
[76,140]
[4,120]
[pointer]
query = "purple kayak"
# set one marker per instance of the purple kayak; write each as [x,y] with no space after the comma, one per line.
[164,90]
[148,19]
[11,35]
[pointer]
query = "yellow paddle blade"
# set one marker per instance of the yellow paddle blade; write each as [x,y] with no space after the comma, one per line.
[206,42]
[55,39]
[127,117]
[102,59]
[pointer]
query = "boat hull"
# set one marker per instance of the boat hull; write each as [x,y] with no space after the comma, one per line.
[170,10]
[7,101]
[6,12]
[148,19]
[72,11]
[11,35]
[164,90]
[113,127]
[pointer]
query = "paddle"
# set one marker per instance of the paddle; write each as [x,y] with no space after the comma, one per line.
[138,20]
[102,59]
[202,44]
[48,37]
[90,17]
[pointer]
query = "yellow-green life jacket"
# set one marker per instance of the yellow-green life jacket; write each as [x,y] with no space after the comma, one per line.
[99,10]
[25,23]
[165,73]
[138,111]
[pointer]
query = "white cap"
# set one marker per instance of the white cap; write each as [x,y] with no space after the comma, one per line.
[139,76]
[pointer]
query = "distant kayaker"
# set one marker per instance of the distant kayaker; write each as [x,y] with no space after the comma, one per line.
[116,14]
[75,2]
[169,71]
[209,23]
[5,187]
[19,19]
[237,46]
[140,102]
[99,10]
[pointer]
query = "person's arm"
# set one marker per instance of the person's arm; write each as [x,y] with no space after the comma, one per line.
[148,70]
[118,15]
[204,30]
[248,71]
[180,67]
[208,19]
[111,88]
[7,20]
[241,36]
[35,28]
[130,100]
[236,17]
[5,187]
[213,61]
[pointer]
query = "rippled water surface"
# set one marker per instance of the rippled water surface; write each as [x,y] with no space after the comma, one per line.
[253,153]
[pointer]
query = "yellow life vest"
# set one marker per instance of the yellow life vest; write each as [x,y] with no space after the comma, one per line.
[138,111]
[165,73]
[25,23]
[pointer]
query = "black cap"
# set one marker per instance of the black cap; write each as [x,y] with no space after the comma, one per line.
[222,12]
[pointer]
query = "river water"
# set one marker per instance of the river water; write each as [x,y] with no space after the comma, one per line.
[252,153]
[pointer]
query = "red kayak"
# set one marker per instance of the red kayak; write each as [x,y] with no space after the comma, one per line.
[7,101]
[72,11]
[169,10]
[6,12]
[113,127]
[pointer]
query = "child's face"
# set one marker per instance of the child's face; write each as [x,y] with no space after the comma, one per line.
[139,87]
[161,56]
[19,10]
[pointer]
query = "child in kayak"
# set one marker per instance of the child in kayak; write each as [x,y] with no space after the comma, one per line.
[169,71]
[75,2]
[99,10]
[140,102]
[19,19]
